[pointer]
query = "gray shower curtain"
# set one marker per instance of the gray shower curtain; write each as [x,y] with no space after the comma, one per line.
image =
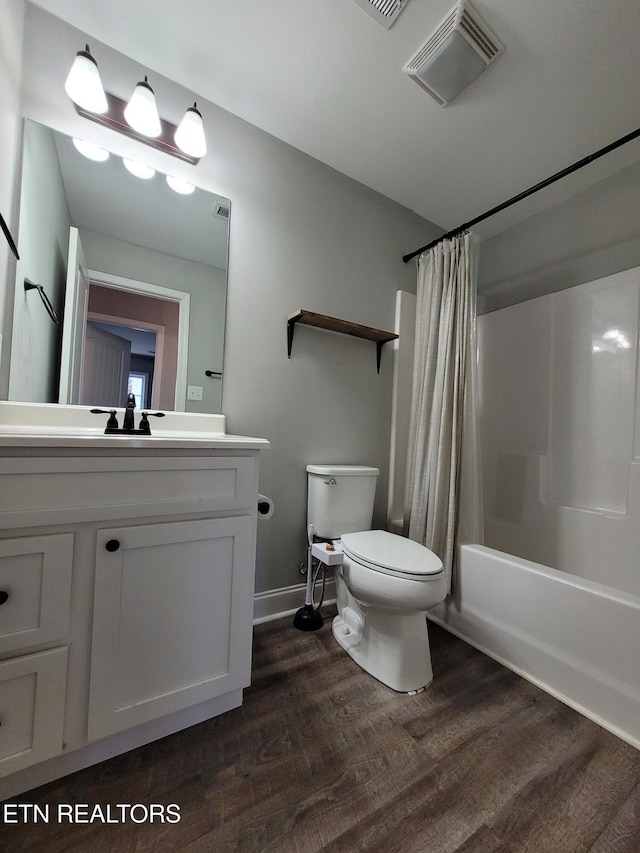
[443,496]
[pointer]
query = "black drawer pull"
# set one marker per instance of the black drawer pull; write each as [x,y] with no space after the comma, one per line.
[112,545]
[4,596]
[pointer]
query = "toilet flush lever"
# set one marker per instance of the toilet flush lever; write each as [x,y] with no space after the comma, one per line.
[330,482]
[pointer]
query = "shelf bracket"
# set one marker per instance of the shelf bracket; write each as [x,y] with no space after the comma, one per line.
[291,324]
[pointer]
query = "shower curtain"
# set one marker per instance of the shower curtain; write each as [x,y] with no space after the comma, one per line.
[443,505]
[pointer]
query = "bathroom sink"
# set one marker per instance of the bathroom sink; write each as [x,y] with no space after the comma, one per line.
[48,425]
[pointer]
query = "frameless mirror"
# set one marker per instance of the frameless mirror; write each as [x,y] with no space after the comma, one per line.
[137,274]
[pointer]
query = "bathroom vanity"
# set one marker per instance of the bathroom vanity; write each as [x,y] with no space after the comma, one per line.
[126,584]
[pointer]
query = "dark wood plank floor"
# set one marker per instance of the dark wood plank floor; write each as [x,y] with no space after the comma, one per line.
[323,757]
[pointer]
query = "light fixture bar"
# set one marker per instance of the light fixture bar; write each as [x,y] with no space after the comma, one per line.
[115,120]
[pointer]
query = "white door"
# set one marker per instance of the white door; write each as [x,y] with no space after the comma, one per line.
[73,324]
[172,619]
[105,368]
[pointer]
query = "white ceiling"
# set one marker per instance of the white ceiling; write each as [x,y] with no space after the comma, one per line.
[326,78]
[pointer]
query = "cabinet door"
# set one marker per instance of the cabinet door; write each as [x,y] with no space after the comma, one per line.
[32,690]
[173,608]
[35,590]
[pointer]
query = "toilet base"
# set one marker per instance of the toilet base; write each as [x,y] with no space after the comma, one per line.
[391,647]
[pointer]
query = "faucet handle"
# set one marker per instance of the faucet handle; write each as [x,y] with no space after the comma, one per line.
[144,423]
[112,423]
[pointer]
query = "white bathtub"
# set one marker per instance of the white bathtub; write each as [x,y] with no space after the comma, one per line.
[578,640]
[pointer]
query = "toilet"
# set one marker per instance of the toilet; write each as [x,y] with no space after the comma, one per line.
[384,584]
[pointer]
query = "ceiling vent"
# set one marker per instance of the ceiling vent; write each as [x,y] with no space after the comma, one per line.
[221,210]
[384,12]
[458,51]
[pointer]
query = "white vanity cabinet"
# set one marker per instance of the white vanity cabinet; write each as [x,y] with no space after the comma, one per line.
[171,601]
[35,591]
[126,582]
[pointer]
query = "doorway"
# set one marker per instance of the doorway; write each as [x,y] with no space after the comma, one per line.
[154,322]
[138,367]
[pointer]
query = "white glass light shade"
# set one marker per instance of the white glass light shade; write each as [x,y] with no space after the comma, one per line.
[140,170]
[180,186]
[141,112]
[190,133]
[91,150]
[83,84]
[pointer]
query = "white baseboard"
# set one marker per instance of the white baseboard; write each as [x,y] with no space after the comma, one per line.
[276,603]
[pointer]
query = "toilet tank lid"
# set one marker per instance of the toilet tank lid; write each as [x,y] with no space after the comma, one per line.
[343,470]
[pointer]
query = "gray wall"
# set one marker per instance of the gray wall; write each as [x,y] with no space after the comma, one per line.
[302,236]
[590,235]
[11,33]
[44,245]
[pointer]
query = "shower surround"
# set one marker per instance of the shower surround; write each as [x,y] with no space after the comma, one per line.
[560,430]
[554,593]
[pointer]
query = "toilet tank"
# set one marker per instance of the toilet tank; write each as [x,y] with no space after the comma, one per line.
[340,498]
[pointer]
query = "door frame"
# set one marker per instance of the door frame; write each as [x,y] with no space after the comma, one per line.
[74,321]
[183,300]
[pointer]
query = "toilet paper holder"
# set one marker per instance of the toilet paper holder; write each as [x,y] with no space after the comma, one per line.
[265,507]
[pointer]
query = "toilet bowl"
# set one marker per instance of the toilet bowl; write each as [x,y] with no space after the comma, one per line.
[384,586]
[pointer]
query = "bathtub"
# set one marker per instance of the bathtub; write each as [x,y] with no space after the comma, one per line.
[576,639]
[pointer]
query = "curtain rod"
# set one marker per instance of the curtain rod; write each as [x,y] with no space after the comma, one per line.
[516,198]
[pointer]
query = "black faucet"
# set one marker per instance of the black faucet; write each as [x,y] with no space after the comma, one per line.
[128,424]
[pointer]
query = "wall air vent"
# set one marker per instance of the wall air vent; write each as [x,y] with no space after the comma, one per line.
[458,51]
[384,12]
[221,210]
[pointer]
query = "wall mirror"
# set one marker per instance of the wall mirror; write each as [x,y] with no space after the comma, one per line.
[136,272]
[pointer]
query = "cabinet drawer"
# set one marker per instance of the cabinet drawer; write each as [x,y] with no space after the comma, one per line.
[55,490]
[35,590]
[32,690]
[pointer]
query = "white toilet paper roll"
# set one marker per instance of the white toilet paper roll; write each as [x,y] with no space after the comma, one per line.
[265,507]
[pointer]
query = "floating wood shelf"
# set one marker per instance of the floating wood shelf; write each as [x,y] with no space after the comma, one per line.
[332,324]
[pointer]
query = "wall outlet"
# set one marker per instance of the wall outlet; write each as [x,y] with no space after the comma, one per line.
[194,392]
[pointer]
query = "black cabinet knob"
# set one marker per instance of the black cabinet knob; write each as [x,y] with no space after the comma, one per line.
[112,545]
[4,596]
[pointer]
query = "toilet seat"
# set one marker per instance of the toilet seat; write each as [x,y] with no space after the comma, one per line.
[392,554]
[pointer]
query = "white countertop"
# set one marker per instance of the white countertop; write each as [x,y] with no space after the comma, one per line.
[61,437]
[46,425]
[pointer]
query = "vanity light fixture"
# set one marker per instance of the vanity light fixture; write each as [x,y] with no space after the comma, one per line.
[138,119]
[180,186]
[83,84]
[190,133]
[91,150]
[140,170]
[142,112]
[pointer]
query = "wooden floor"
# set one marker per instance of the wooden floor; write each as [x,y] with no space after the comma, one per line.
[323,757]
